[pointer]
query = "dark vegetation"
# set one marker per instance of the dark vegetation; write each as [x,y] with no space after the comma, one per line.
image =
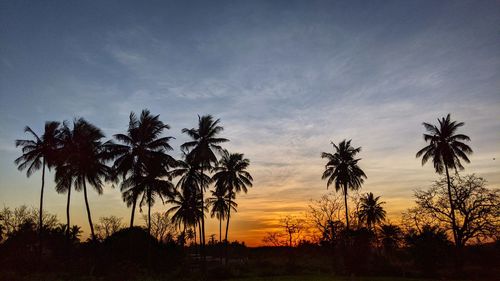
[452,232]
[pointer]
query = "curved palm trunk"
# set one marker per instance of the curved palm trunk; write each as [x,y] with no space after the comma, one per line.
[227,229]
[133,213]
[194,234]
[346,210]
[220,239]
[203,216]
[149,212]
[68,226]
[201,239]
[227,223]
[452,208]
[88,211]
[40,223]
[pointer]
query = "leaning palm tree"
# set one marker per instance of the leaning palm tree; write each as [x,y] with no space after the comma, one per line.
[39,152]
[231,174]
[142,140]
[371,211]
[202,148]
[220,202]
[84,161]
[446,149]
[342,169]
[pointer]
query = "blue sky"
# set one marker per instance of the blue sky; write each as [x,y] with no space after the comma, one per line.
[285,77]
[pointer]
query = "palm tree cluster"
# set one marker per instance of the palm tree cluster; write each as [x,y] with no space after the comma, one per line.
[139,161]
[446,148]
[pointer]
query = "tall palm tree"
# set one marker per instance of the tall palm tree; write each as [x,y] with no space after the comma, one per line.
[371,211]
[141,141]
[202,148]
[220,202]
[231,174]
[446,148]
[39,152]
[343,170]
[84,161]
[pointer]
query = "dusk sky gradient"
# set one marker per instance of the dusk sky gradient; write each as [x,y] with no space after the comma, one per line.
[284,77]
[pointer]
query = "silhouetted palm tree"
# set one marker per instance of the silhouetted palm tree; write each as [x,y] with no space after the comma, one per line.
[220,202]
[231,174]
[142,140]
[189,186]
[155,183]
[186,209]
[390,235]
[202,148]
[39,152]
[84,160]
[343,170]
[64,178]
[446,148]
[371,211]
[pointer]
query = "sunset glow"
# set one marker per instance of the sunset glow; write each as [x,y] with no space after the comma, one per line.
[285,79]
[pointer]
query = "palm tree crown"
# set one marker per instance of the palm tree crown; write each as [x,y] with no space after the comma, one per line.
[445,147]
[231,172]
[371,211]
[201,149]
[342,167]
[39,150]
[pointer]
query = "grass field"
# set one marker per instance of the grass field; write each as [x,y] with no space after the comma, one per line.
[324,278]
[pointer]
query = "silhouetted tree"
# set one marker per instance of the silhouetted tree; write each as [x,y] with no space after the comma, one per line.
[84,160]
[107,226]
[38,153]
[186,210]
[188,206]
[476,207]
[428,247]
[325,214]
[162,227]
[143,140]
[202,148]
[231,174]
[446,148]
[155,182]
[371,211]
[220,203]
[343,170]
[390,236]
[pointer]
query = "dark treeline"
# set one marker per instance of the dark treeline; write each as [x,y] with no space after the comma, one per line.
[452,232]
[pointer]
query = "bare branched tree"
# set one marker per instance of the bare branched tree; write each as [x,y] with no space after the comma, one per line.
[107,226]
[477,208]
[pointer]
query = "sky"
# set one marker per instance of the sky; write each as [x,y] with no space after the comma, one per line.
[284,77]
